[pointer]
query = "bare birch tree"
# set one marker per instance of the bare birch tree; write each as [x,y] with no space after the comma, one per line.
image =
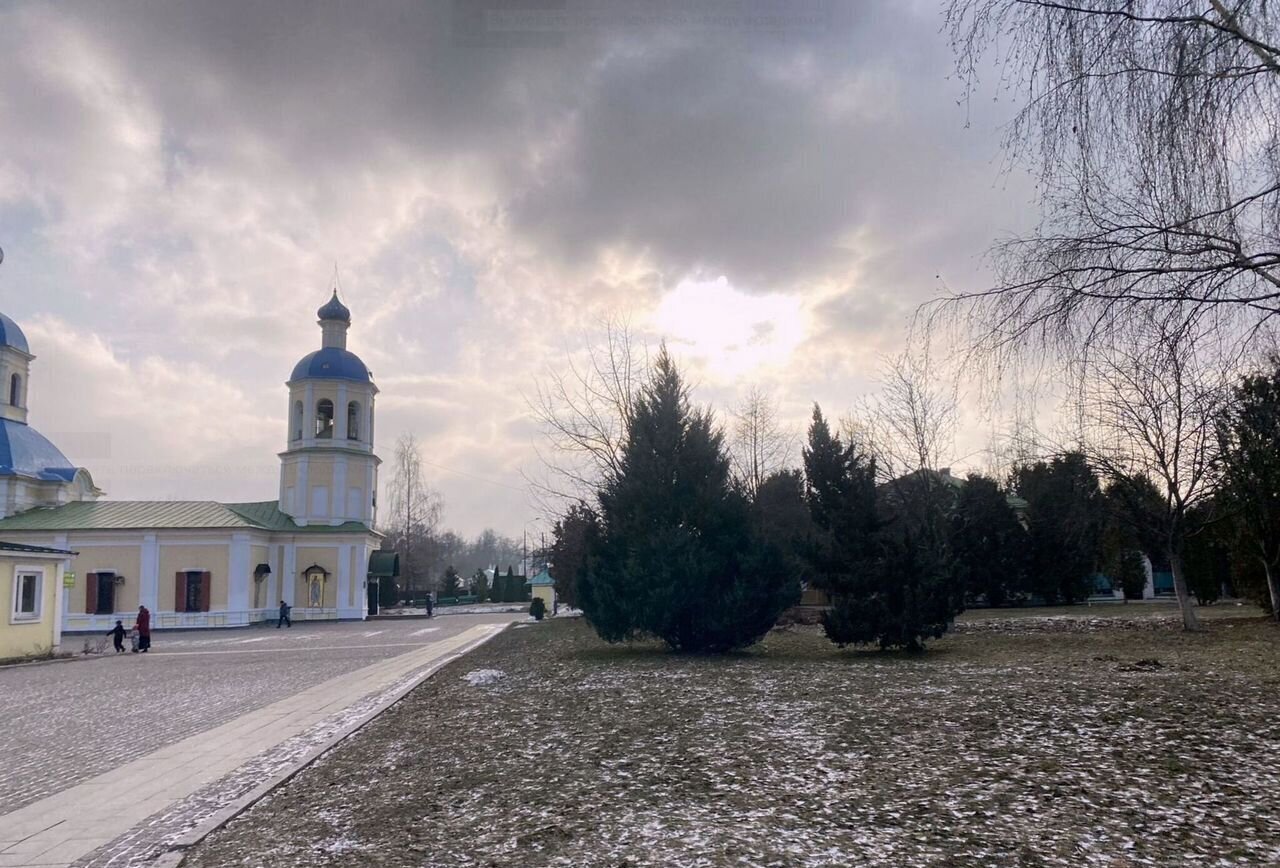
[1153,127]
[583,411]
[761,444]
[1150,413]
[910,424]
[413,511]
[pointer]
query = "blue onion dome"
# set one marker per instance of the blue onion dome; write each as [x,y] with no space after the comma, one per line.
[12,336]
[26,452]
[334,310]
[331,363]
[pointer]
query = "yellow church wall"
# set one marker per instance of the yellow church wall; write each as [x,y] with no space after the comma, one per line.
[123,560]
[289,474]
[260,592]
[212,558]
[326,558]
[28,638]
[320,471]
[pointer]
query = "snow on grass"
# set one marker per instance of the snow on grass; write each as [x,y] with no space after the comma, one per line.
[998,747]
[478,677]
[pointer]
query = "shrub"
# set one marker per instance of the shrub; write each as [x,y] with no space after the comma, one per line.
[538,609]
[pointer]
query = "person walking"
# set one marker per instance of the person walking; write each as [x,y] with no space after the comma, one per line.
[144,629]
[117,636]
[284,616]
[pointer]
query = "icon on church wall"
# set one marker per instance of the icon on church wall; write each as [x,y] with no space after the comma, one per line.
[315,576]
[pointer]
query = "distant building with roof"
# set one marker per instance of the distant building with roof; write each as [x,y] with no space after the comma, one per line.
[31,586]
[544,586]
[202,563]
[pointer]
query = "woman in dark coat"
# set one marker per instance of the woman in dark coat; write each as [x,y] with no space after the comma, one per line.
[144,628]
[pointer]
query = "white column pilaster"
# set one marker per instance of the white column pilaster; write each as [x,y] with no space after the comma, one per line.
[238,574]
[345,609]
[340,414]
[302,493]
[288,572]
[149,575]
[338,492]
[309,413]
[274,580]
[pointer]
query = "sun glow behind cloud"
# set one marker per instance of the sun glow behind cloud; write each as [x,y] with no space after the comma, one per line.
[731,332]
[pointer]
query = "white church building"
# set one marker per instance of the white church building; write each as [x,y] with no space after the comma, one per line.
[203,563]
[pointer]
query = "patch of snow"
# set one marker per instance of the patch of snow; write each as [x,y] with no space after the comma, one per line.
[476,677]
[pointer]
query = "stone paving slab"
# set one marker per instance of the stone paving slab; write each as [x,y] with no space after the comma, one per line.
[70,825]
[68,722]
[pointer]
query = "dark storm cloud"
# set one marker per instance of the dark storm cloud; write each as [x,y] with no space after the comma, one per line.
[178,179]
[718,138]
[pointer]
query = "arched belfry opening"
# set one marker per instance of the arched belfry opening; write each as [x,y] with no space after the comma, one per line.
[324,419]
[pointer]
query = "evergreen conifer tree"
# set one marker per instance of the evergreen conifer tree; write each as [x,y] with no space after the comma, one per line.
[677,557]
[883,559]
[1066,516]
[988,543]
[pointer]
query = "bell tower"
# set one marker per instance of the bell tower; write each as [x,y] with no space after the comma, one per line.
[328,472]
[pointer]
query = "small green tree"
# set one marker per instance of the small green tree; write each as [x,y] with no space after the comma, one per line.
[677,557]
[882,556]
[1207,556]
[480,586]
[573,536]
[1249,440]
[1066,515]
[1130,574]
[538,609]
[451,583]
[987,542]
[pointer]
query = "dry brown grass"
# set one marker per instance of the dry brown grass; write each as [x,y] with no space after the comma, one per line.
[1113,741]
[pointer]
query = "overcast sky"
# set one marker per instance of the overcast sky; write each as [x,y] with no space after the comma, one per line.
[771,187]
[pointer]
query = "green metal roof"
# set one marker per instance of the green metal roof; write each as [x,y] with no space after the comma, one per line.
[166,515]
[266,514]
[542,579]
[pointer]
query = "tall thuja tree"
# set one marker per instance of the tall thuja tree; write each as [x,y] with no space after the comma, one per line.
[919,593]
[1066,515]
[1249,438]
[988,543]
[573,535]
[677,557]
[840,489]
[891,582]
[782,518]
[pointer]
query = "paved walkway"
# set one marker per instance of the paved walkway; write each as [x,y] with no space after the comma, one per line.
[69,825]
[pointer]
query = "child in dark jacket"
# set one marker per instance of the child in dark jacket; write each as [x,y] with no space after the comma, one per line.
[117,636]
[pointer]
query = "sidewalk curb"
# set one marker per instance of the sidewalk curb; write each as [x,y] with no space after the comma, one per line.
[174,857]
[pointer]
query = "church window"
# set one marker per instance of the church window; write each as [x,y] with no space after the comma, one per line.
[297,420]
[15,390]
[192,591]
[324,418]
[353,421]
[26,596]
